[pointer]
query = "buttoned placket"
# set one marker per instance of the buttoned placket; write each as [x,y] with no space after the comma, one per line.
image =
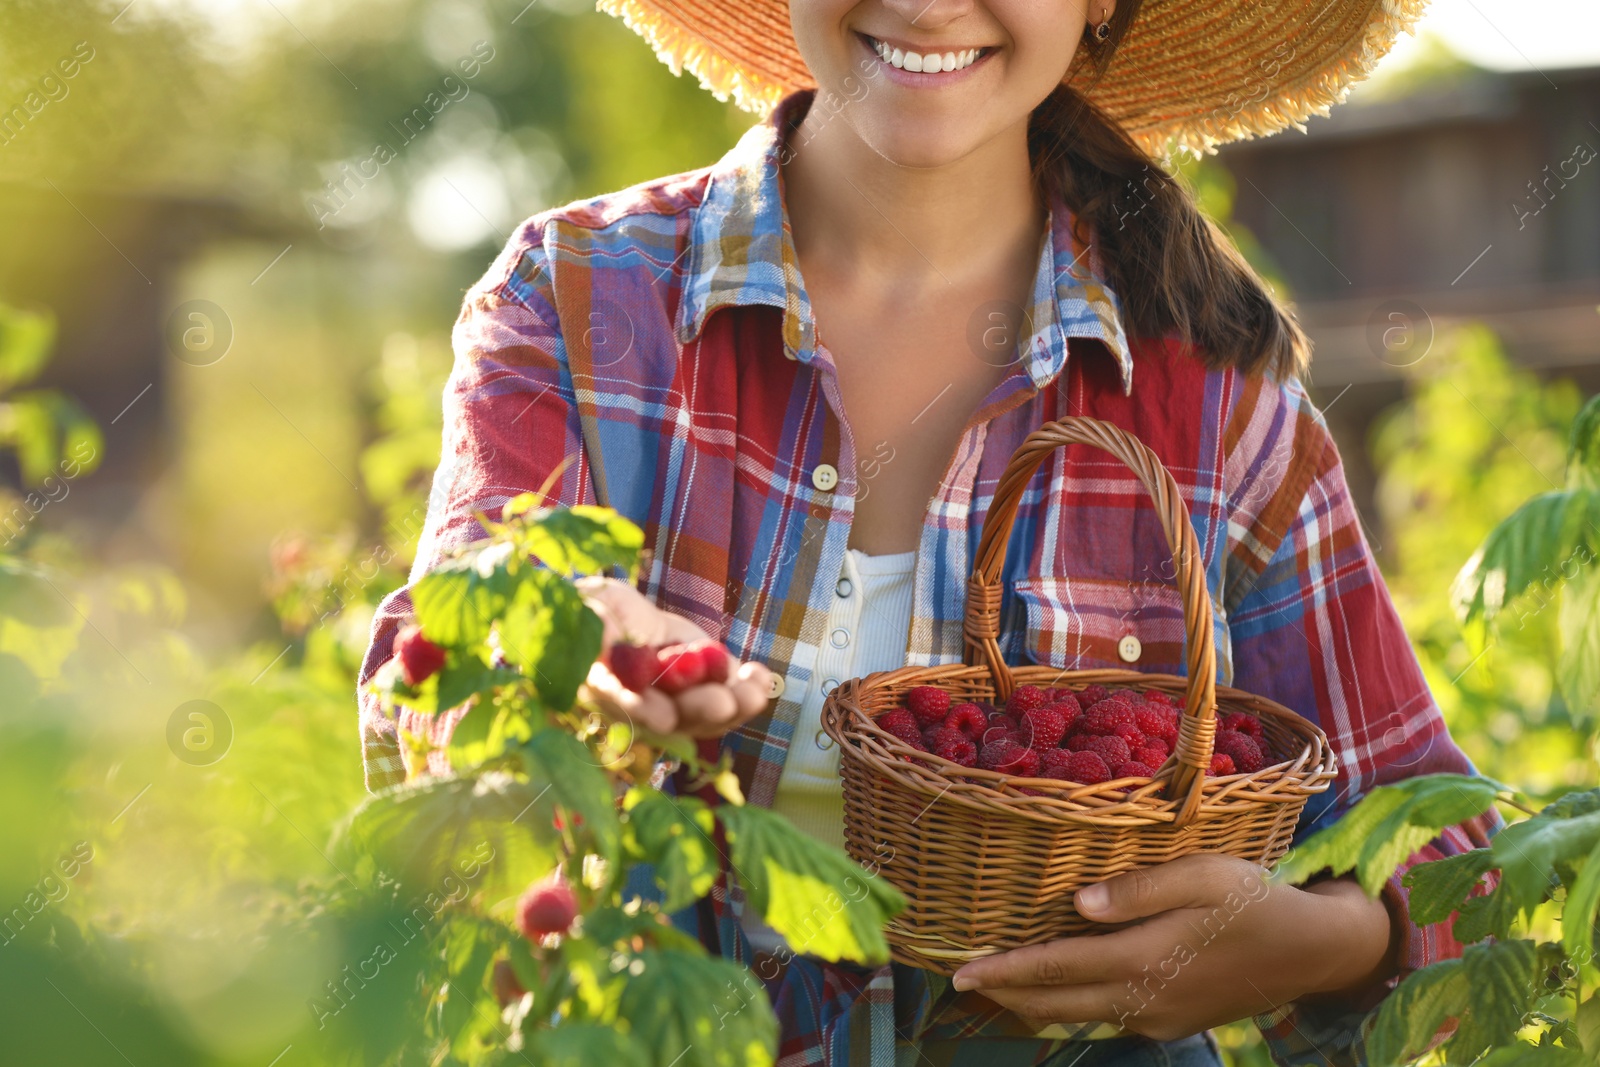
[836,657]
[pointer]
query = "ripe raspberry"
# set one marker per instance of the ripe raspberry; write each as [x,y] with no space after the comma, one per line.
[1042,728]
[957,749]
[546,908]
[1091,695]
[928,704]
[1242,750]
[1152,720]
[420,659]
[1220,765]
[1134,769]
[1111,748]
[902,724]
[635,666]
[1244,723]
[1001,733]
[715,661]
[1068,706]
[1106,716]
[1000,718]
[1008,757]
[1088,768]
[1153,753]
[681,666]
[1053,764]
[1079,741]
[969,719]
[986,707]
[935,737]
[1159,696]
[1025,698]
[1130,695]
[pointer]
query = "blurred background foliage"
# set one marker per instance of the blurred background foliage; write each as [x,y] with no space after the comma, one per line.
[249,515]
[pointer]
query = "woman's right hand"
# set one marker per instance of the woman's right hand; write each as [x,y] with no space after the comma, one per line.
[707,710]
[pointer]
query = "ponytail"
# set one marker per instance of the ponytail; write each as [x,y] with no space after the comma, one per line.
[1172,269]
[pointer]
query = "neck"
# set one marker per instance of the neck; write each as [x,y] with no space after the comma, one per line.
[857,215]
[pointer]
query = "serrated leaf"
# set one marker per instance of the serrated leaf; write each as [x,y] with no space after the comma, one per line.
[1527,853]
[814,895]
[1522,1054]
[583,539]
[1572,805]
[1412,1015]
[696,1011]
[1387,826]
[673,835]
[1491,915]
[1578,915]
[1583,447]
[1503,986]
[552,634]
[1578,617]
[556,760]
[1536,543]
[458,600]
[438,828]
[1440,886]
[585,1045]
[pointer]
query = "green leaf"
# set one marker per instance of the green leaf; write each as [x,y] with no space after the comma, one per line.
[1572,805]
[1527,854]
[466,676]
[1412,1015]
[552,634]
[694,1011]
[559,762]
[812,894]
[1578,915]
[673,835]
[1439,887]
[1587,1020]
[1492,915]
[458,600]
[584,1045]
[491,831]
[27,595]
[1503,984]
[1522,1054]
[26,339]
[1387,826]
[1578,618]
[584,539]
[1583,447]
[1544,540]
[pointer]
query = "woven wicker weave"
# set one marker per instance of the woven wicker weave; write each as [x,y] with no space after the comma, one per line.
[987,866]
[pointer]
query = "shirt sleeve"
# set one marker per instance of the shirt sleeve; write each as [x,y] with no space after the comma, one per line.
[1315,629]
[510,419]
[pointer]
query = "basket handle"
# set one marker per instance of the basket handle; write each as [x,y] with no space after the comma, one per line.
[1197,727]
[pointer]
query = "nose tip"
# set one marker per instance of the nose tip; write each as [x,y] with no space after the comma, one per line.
[929,14]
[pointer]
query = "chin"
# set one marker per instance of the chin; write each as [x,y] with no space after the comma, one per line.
[919,142]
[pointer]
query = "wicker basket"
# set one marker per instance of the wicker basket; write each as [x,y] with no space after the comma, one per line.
[987,867]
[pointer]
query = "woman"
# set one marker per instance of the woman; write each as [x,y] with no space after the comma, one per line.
[802,370]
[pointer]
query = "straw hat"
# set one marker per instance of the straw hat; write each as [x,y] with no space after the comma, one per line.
[1201,74]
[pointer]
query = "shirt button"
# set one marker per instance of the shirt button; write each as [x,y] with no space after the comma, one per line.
[776,689]
[840,637]
[1129,648]
[843,588]
[824,477]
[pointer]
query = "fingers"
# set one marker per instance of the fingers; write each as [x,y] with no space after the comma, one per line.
[1192,881]
[752,688]
[651,709]
[1056,963]
[1039,1006]
[706,710]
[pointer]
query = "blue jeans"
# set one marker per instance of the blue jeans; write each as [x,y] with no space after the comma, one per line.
[1197,1051]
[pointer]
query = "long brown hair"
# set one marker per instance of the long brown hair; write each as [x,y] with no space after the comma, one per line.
[1172,269]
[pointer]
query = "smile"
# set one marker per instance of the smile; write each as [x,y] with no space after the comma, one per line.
[925,62]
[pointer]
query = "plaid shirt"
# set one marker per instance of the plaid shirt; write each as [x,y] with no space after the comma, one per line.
[663,337]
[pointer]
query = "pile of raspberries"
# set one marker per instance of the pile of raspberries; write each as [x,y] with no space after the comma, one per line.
[1090,736]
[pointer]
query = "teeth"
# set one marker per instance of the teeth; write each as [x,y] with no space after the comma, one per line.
[933,63]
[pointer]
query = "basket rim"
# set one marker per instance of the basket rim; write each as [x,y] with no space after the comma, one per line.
[1109,803]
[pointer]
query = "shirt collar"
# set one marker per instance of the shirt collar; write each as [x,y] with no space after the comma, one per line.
[741,252]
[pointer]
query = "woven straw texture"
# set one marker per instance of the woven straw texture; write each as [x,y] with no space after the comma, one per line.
[989,862]
[1199,74]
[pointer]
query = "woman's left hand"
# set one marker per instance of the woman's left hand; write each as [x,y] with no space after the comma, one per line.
[1217,943]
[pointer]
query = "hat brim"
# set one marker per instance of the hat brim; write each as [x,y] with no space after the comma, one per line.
[1185,74]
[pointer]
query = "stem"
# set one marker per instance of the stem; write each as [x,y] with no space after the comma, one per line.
[1511,801]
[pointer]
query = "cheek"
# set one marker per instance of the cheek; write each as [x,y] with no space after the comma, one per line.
[819,32]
